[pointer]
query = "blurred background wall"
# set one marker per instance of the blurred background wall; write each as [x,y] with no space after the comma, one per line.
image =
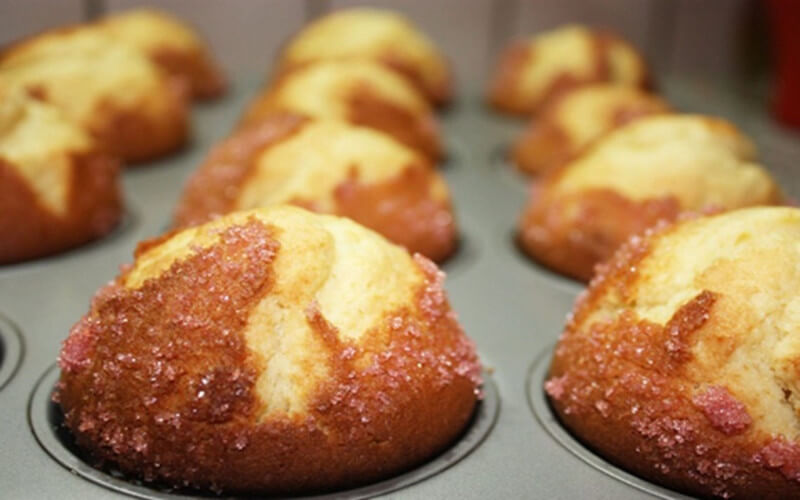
[715,40]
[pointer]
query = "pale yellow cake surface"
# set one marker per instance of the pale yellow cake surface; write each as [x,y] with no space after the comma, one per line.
[588,112]
[325,89]
[750,260]
[310,164]
[352,275]
[38,142]
[570,50]
[368,33]
[150,30]
[84,72]
[701,161]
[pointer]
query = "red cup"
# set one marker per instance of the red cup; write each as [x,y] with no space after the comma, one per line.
[785,20]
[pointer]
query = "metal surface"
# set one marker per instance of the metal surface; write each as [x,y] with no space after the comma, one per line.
[511,307]
[11,350]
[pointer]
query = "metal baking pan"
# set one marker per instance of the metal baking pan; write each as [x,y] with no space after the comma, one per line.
[511,307]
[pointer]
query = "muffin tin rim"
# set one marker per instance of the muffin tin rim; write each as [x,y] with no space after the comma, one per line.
[13,350]
[481,424]
[543,412]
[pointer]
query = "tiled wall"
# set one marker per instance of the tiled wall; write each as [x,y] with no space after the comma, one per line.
[678,36]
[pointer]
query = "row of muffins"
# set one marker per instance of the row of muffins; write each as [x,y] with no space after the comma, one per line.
[679,361]
[257,272]
[371,99]
[612,159]
[341,128]
[263,348]
[78,102]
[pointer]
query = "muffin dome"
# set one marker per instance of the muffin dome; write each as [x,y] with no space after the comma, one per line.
[680,362]
[576,119]
[172,45]
[57,189]
[326,166]
[533,71]
[380,35]
[359,91]
[648,170]
[272,351]
[107,87]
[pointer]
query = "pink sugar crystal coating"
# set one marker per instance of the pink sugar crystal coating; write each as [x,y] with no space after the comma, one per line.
[782,455]
[161,380]
[725,412]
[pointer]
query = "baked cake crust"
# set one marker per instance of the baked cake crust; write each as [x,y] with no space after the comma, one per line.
[361,92]
[670,368]
[178,372]
[533,72]
[648,170]
[407,201]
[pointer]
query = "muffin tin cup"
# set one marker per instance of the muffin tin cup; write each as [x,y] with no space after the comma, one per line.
[540,405]
[46,422]
[11,350]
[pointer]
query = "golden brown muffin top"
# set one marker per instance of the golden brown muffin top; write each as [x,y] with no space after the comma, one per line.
[327,166]
[171,44]
[326,89]
[151,30]
[318,264]
[535,69]
[83,71]
[40,144]
[376,34]
[701,161]
[584,114]
[680,360]
[288,351]
[745,264]
[310,164]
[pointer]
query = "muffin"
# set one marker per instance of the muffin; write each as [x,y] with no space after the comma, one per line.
[651,169]
[679,363]
[576,119]
[272,351]
[359,91]
[112,90]
[172,45]
[380,35]
[58,190]
[331,167]
[531,72]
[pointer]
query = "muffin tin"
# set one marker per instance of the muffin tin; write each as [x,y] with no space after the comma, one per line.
[11,350]
[512,308]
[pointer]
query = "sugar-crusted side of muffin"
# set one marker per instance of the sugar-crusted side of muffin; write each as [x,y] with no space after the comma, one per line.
[285,351]
[679,362]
